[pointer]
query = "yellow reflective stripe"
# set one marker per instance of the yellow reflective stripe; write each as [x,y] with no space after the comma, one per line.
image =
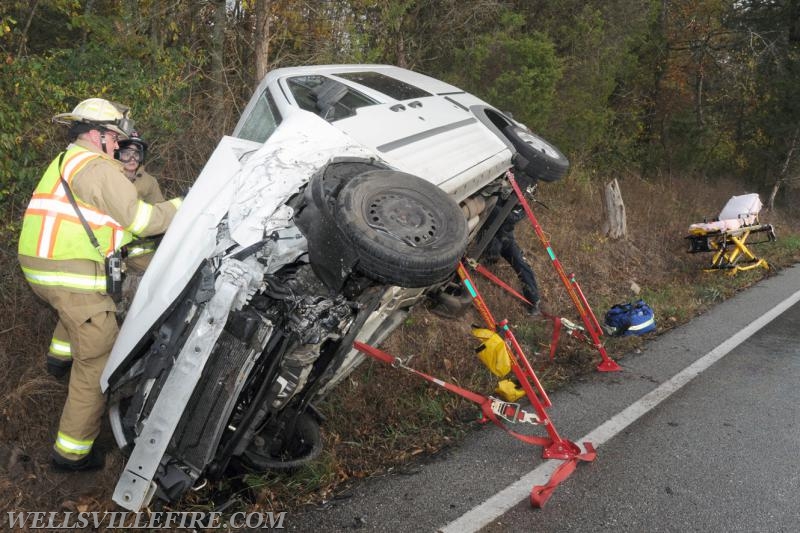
[136,252]
[64,279]
[59,347]
[177,202]
[67,444]
[142,218]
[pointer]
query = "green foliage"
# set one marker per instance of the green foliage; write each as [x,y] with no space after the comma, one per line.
[513,69]
[786,249]
[721,102]
[707,87]
[583,116]
[423,36]
[153,83]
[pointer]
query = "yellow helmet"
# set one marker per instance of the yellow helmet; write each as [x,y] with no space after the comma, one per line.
[100,112]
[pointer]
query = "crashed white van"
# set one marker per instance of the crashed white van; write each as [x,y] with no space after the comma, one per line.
[345,195]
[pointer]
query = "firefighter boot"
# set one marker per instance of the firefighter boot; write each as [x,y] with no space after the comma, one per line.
[95,460]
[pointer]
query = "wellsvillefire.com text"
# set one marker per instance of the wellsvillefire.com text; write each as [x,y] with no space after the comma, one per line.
[142,520]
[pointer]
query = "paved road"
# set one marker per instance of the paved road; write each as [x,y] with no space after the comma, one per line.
[717,455]
[721,454]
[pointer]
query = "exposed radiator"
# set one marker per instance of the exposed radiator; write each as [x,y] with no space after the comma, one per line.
[198,434]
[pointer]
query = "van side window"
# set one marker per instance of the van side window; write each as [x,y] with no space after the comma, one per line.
[327,98]
[399,90]
[262,120]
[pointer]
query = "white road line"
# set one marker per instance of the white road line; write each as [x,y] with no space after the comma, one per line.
[483,514]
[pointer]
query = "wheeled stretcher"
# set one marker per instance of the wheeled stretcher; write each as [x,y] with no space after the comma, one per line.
[727,237]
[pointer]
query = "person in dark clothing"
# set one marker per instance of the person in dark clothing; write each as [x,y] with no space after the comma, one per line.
[504,245]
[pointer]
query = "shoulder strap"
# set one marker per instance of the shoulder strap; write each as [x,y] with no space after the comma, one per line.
[71,199]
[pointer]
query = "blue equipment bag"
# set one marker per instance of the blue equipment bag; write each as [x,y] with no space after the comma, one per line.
[631,319]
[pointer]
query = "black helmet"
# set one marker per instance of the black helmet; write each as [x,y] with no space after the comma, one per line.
[134,141]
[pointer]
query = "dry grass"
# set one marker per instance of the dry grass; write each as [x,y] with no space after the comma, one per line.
[381,419]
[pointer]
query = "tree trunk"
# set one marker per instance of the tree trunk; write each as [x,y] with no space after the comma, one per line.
[402,62]
[155,25]
[615,225]
[261,39]
[23,40]
[217,63]
[87,11]
[698,95]
[773,194]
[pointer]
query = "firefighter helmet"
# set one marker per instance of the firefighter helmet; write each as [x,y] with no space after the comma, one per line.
[133,141]
[99,112]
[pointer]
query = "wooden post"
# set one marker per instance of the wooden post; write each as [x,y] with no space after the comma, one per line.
[615,225]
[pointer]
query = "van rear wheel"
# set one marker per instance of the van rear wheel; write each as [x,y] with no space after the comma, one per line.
[405,230]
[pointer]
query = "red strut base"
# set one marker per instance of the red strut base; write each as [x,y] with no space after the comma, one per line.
[562,449]
[608,365]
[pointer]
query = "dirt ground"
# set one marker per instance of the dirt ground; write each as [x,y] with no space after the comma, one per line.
[371,427]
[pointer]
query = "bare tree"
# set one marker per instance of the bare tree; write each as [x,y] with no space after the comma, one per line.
[261,37]
[23,40]
[217,61]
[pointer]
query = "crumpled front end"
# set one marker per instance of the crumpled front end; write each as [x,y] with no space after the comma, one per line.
[245,182]
[228,321]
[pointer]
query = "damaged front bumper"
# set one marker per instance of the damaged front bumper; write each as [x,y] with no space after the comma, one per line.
[136,485]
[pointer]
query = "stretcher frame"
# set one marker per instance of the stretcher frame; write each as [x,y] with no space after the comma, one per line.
[730,247]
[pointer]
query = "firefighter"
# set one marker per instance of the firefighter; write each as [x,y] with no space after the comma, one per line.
[63,256]
[505,245]
[131,154]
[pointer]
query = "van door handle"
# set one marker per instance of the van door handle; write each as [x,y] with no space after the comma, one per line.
[398,107]
[415,104]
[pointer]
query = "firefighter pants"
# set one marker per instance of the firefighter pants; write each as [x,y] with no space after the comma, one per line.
[505,245]
[90,324]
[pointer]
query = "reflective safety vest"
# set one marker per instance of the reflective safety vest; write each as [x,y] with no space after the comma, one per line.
[52,230]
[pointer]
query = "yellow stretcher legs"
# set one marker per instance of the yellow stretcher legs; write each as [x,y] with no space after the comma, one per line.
[731,252]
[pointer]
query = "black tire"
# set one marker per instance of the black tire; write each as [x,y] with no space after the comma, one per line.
[405,230]
[304,446]
[545,161]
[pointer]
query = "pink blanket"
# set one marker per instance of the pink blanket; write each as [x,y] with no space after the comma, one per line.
[740,211]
